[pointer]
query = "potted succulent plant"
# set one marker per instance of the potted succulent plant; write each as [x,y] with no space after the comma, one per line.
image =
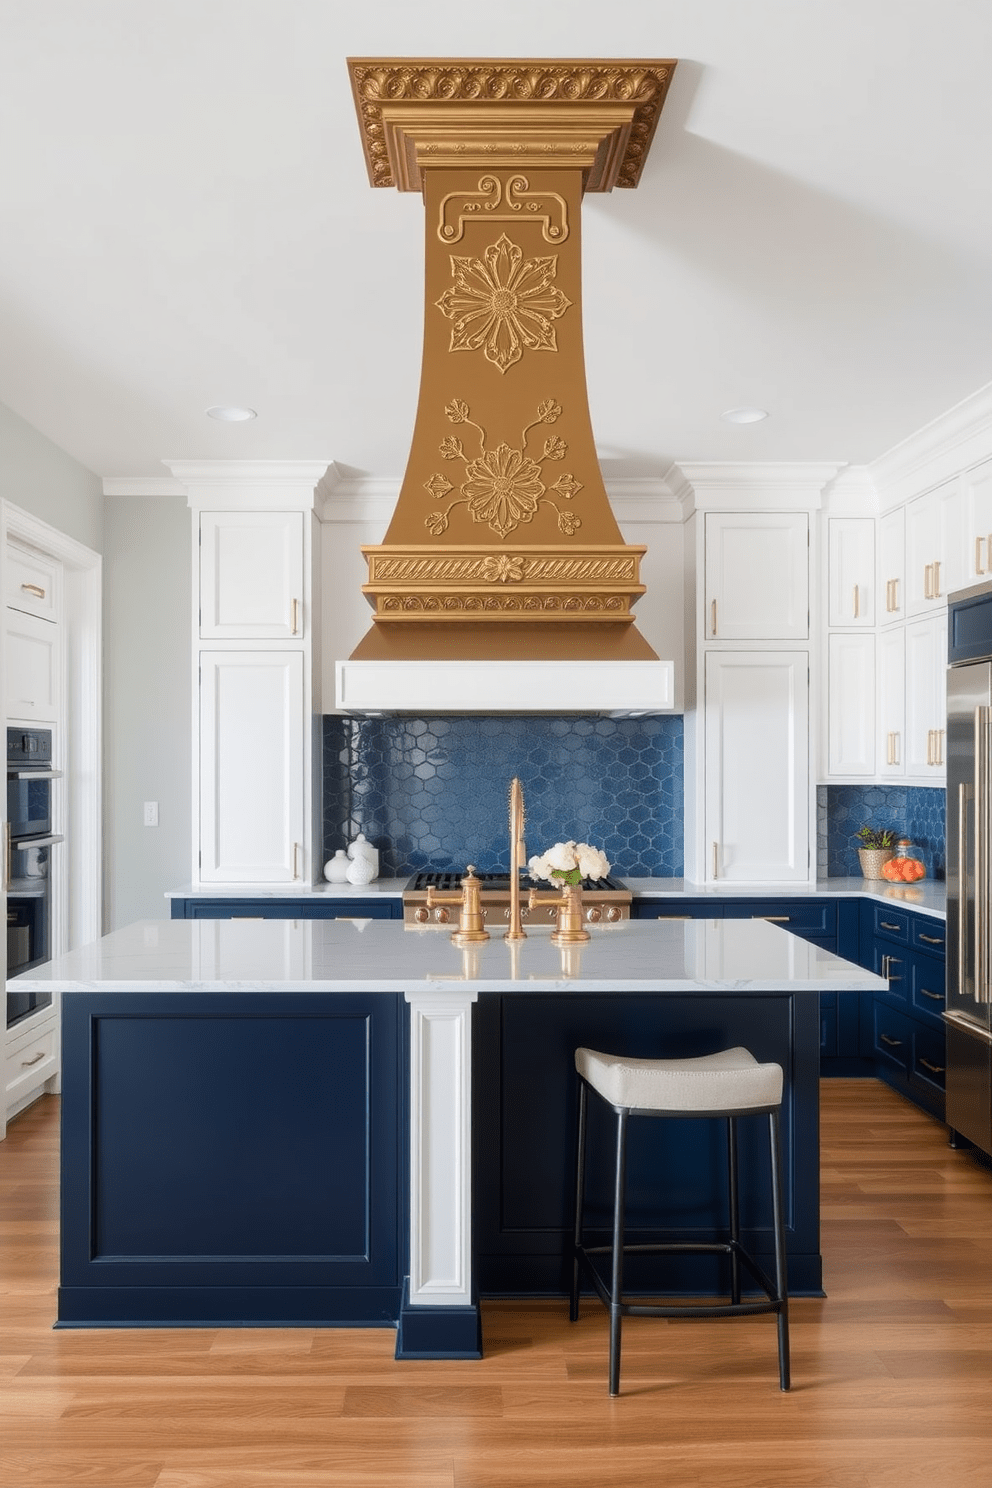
[878,845]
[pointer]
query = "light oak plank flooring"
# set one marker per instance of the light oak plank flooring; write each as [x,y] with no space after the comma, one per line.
[892,1370]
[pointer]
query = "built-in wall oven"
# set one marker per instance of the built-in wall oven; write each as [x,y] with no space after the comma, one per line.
[28,844]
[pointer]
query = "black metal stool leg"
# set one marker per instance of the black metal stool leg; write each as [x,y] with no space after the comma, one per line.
[735,1209]
[580,1184]
[616,1284]
[781,1272]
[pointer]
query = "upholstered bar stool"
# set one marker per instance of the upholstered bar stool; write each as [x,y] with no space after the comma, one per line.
[721,1086]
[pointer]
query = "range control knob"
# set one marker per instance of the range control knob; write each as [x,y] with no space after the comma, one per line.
[441,915]
[421,915]
[593,914]
[613,914]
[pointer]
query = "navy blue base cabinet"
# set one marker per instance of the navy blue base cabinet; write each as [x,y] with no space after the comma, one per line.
[524,1093]
[902,1030]
[199,908]
[232,1158]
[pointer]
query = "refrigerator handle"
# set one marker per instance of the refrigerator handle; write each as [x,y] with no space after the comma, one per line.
[962,865]
[983,799]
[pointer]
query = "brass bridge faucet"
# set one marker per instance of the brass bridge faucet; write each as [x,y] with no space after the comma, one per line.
[471,925]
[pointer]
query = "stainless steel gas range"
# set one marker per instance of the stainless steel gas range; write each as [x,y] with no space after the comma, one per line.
[604,900]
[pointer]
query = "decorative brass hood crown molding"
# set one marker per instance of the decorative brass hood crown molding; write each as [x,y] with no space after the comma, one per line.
[600,115]
[503,543]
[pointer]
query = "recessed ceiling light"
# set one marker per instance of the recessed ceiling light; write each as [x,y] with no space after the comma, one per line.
[744,415]
[232,415]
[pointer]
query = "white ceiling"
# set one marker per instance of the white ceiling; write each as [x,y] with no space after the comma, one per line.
[186,220]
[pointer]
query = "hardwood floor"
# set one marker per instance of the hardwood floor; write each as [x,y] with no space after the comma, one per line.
[892,1371]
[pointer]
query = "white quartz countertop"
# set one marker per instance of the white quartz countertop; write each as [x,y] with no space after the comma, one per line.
[699,956]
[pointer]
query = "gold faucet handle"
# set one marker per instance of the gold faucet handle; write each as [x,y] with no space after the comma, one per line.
[537,900]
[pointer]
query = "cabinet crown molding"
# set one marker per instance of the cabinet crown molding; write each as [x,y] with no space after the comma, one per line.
[717,485]
[941,449]
[247,483]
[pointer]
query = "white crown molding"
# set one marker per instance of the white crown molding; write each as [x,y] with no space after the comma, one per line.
[719,485]
[959,438]
[142,485]
[851,494]
[233,483]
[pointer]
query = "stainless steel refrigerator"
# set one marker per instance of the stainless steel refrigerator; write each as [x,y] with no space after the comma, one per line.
[969,865]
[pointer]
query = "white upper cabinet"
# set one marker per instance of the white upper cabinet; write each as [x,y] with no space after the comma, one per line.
[926,698]
[252,795]
[935,547]
[891,692]
[33,672]
[851,570]
[978,523]
[757,576]
[251,575]
[33,582]
[851,704]
[757,767]
[892,567]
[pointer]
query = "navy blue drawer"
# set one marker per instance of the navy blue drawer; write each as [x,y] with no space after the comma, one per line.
[804,916]
[286,909]
[893,1037]
[927,989]
[675,909]
[929,935]
[891,924]
[929,1056]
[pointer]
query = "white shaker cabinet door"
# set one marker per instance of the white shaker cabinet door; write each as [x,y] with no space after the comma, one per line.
[892,566]
[892,702]
[926,699]
[757,767]
[32,680]
[851,705]
[935,543]
[251,767]
[757,576]
[251,575]
[851,568]
[978,519]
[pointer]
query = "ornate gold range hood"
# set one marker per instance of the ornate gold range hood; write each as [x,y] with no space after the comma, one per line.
[503,548]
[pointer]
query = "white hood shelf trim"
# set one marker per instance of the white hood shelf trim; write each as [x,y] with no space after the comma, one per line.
[618,689]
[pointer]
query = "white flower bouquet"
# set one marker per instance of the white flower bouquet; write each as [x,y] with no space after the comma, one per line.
[569,863]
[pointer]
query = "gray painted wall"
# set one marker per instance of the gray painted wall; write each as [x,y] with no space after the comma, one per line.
[40,477]
[147,704]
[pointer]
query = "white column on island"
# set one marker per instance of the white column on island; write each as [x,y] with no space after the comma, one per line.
[441,1147]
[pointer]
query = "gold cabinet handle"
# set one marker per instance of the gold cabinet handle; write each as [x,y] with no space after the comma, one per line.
[295,618]
[27,1063]
[773,919]
[884,925]
[933,996]
[938,735]
[979,565]
[936,580]
[892,749]
[931,939]
[895,594]
[928,581]
[716,860]
[36,589]
[857,603]
[296,860]
[892,1043]
[935,1069]
[713,617]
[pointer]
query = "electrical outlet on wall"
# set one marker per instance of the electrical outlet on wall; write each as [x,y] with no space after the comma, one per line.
[151,813]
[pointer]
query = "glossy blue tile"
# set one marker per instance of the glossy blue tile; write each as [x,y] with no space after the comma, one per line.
[433,792]
[916,812]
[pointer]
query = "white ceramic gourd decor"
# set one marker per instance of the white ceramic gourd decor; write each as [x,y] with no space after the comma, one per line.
[336,870]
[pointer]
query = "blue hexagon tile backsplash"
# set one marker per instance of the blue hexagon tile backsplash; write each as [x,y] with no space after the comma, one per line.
[916,812]
[433,792]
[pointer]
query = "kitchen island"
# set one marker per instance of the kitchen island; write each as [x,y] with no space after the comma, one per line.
[349,1123]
